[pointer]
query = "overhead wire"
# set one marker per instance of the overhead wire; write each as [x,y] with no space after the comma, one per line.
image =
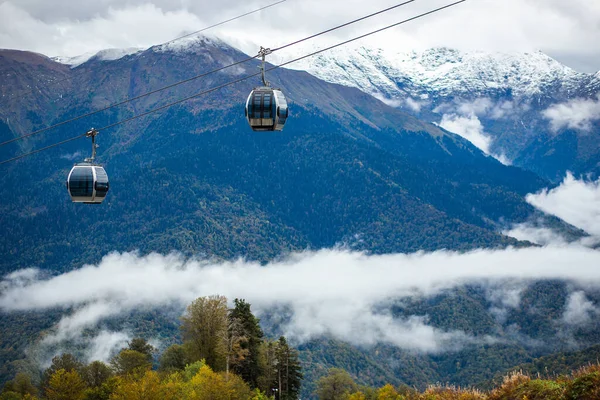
[242,79]
[123,102]
[224,22]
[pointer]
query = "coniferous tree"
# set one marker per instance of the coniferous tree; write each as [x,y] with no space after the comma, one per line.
[267,362]
[289,371]
[248,367]
[130,361]
[141,345]
[235,341]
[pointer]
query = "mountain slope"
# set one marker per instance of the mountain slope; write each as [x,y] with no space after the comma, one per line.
[503,97]
[194,178]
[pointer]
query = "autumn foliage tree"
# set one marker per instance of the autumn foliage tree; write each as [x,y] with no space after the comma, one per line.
[65,385]
[224,356]
[204,325]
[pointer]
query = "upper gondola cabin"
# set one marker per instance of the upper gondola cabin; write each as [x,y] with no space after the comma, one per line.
[266,109]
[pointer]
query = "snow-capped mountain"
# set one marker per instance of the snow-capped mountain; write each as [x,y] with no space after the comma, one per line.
[441,72]
[498,101]
[102,55]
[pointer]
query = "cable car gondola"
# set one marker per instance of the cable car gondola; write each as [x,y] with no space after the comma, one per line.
[88,182]
[266,108]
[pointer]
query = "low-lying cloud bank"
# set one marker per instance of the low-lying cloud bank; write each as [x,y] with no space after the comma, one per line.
[340,293]
[576,201]
[463,118]
[575,114]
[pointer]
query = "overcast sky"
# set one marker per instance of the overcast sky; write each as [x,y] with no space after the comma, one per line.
[566,30]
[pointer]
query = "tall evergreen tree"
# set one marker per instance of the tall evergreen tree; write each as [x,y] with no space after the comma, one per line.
[289,371]
[248,368]
[141,345]
[267,362]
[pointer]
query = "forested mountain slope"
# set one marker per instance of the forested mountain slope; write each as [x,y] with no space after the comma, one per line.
[195,178]
[534,111]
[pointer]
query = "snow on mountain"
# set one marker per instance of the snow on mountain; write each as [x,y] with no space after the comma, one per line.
[102,55]
[439,72]
[74,61]
[596,81]
[192,44]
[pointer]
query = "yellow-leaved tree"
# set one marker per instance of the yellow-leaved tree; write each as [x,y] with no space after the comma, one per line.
[65,385]
[388,392]
[136,387]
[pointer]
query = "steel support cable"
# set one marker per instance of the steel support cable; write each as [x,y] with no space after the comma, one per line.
[224,22]
[123,102]
[343,25]
[191,34]
[244,78]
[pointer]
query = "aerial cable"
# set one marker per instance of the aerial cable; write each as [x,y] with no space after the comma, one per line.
[123,102]
[343,25]
[224,22]
[241,79]
[188,34]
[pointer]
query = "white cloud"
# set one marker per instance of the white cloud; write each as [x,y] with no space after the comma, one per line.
[408,102]
[469,128]
[575,201]
[479,107]
[535,234]
[87,316]
[335,292]
[574,114]
[106,344]
[75,156]
[505,297]
[462,117]
[414,105]
[579,310]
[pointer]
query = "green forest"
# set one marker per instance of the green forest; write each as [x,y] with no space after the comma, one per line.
[224,355]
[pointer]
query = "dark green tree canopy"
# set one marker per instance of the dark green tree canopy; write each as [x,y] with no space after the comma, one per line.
[174,358]
[130,361]
[248,368]
[96,373]
[141,345]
